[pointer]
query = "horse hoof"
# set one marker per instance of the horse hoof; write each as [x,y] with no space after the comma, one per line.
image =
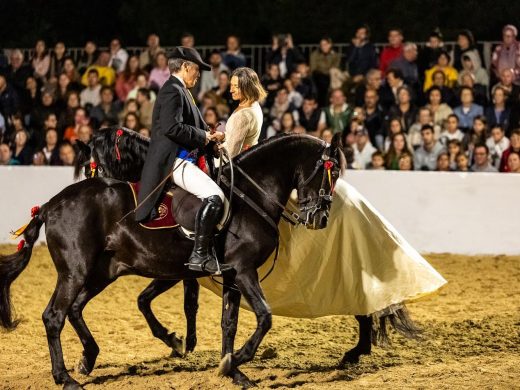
[178,346]
[191,343]
[348,358]
[82,367]
[72,385]
[240,379]
[225,365]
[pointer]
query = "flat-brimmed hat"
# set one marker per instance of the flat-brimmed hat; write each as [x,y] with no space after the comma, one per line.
[190,54]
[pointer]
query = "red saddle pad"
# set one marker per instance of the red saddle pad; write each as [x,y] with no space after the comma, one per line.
[165,220]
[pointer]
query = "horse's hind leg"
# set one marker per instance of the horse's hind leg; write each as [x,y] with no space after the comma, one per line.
[154,289]
[95,284]
[364,345]
[191,307]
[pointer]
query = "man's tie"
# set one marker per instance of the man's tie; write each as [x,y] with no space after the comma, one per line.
[189,93]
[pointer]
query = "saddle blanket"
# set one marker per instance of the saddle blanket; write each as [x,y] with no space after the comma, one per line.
[165,220]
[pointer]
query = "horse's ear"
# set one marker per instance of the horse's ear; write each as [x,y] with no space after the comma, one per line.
[336,150]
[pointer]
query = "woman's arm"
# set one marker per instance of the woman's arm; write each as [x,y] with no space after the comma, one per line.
[243,122]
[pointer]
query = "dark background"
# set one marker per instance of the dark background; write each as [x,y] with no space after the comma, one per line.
[24,21]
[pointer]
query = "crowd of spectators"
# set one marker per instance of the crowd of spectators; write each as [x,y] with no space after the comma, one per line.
[403,107]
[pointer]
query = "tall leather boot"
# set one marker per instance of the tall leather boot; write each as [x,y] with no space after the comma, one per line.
[202,258]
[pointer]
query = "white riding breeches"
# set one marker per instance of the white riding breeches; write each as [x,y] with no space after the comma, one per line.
[192,179]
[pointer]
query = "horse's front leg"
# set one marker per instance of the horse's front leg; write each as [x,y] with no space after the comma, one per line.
[364,345]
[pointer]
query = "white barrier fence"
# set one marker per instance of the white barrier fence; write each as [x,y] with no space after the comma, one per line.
[436,212]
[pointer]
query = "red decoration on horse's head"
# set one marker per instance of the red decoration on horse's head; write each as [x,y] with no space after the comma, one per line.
[20,245]
[35,211]
[119,133]
[328,165]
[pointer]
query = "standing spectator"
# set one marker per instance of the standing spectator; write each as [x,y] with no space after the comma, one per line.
[209,78]
[497,144]
[107,110]
[147,56]
[482,160]
[393,50]
[513,161]
[465,44]
[145,107]
[429,53]
[507,54]
[468,110]
[373,80]
[67,154]
[404,109]
[187,39]
[443,64]
[388,93]
[363,149]
[471,64]
[6,155]
[398,146]
[337,115]
[425,158]
[308,115]
[361,54]
[452,130]
[284,54]
[374,118]
[272,83]
[118,56]
[126,80]
[424,117]
[90,96]
[88,57]
[18,72]
[80,118]
[160,72]
[514,147]
[57,61]
[407,64]
[41,60]
[321,62]
[107,75]
[498,113]
[50,150]
[21,150]
[233,57]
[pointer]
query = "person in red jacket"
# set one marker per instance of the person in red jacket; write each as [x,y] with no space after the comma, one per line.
[393,50]
[515,147]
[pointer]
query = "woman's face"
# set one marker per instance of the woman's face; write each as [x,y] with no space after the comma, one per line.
[69,66]
[443,163]
[210,117]
[443,60]
[132,107]
[17,123]
[478,126]
[463,41]
[424,117]
[131,122]
[274,71]
[287,121]
[454,149]
[162,62]
[462,161]
[435,97]
[513,161]
[63,81]
[73,100]
[47,99]
[405,163]
[141,81]
[236,94]
[327,136]
[404,96]
[40,47]
[223,81]
[20,139]
[399,143]
[31,83]
[51,137]
[395,126]
[498,96]
[438,79]
[133,64]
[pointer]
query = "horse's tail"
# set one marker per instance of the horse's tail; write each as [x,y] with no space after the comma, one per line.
[82,157]
[12,265]
[399,318]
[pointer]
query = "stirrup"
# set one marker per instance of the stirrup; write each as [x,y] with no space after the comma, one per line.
[201,267]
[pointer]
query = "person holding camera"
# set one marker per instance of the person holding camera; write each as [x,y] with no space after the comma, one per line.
[284,54]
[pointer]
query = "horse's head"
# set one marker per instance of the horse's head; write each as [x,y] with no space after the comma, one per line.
[316,181]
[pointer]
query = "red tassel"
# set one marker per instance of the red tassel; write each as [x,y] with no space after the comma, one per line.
[21,244]
[35,211]
[119,133]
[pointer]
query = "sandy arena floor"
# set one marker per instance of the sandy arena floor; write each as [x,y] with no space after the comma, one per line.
[472,328]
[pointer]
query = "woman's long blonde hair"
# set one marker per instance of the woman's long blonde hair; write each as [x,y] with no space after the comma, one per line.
[249,84]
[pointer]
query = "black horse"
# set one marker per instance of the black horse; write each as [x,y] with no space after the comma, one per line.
[93,239]
[128,167]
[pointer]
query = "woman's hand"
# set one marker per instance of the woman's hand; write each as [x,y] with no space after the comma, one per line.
[217,136]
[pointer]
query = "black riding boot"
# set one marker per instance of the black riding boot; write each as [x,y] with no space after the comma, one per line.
[202,258]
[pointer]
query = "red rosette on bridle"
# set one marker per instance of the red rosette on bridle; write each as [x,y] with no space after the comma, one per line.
[21,244]
[93,167]
[119,133]
[328,166]
[35,211]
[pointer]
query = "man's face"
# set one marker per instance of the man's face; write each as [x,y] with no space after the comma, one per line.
[497,134]
[513,161]
[90,47]
[215,59]
[391,79]
[296,78]
[188,41]
[80,117]
[452,124]
[371,98]
[5,154]
[51,137]
[191,74]
[92,79]
[153,41]
[374,80]
[104,59]
[506,77]
[337,98]
[466,97]
[16,60]
[115,45]
[508,37]
[67,154]
[361,138]
[232,43]
[515,141]
[427,137]
[439,79]
[395,38]
[309,105]
[435,42]
[325,46]
[361,34]
[377,161]
[462,161]
[84,134]
[107,97]
[410,54]
[481,156]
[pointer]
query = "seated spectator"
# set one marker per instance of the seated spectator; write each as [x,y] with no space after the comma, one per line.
[106,74]
[377,161]
[45,107]
[284,125]
[145,107]
[31,96]
[322,61]
[66,117]
[443,65]
[9,102]
[374,118]
[209,78]
[452,130]
[41,60]
[361,54]
[91,96]
[429,53]
[388,92]
[233,58]
[58,56]
[141,82]
[398,146]
[308,115]
[497,144]
[392,51]
[160,72]
[22,152]
[127,79]
[479,91]
[213,120]
[337,115]
[498,113]
[50,150]
[272,83]
[281,105]
[284,54]
[107,109]
[506,83]
[394,126]
[131,121]
[404,109]
[223,91]
[306,85]
[407,64]
[514,146]
[424,117]
[373,80]
[443,162]
[507,54]
[447,93]
[326,135]
[147,56]
[85,133]
[471,64]
[69,68]
[465,44]
[6,155]
[38,159]
[295,97]
[462,162]
[67,154]
[425,157]
[476,136]
[454,149]
[363,149]
[131,106]
[513,161]
[88,57]
[481,157]
[406,162]
[118,56]
[80,118]
[145,132]
[468,110]
[18,71]
[2,127]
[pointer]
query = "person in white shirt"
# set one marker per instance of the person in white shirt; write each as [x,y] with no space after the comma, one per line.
[452,130]
[363,149]
[209,79]
[497,143]
[118,56]
[91,95]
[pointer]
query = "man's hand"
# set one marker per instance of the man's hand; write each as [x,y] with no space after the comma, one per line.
[217,136]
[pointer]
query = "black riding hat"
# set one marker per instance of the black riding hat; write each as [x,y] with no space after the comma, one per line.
[190,54]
